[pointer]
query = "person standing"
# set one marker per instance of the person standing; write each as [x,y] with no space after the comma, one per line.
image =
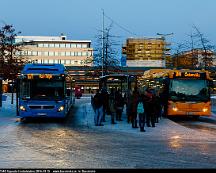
[112,106]
[105,101]
[134,103]
[98,105]
[127,98]
[119,105]
[149,108]
[141,113]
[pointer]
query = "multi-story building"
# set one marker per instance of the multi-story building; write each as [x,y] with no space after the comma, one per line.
[196,58]
[48,49]
[146,52]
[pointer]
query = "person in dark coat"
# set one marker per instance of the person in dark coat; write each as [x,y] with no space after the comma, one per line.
[119,100]
[149,105]
[105,101]
[134,103]
[98,106]
[141,113]
[112,105]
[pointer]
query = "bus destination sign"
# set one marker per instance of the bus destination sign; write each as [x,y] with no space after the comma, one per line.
[189,75]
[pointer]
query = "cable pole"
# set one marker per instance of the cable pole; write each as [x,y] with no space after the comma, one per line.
[102,43]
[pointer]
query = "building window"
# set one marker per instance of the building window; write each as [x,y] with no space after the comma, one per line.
[46,45]
[62,53]
[79,53]
[73,46]
[29,53]
[46,61]
[51,53]
[67,45]
[55,61]
[67,53]
[39,53]
[46,53]
[84,53]
[84,45]
[40,45]
[72,53]
[56,53]
[34,53]
[79,45]
[39,61]
[67,61]
[51,61]
[62,45]
[51,45]
[57,45]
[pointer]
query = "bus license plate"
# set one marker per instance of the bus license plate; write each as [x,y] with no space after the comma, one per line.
[41,114]
[190,113]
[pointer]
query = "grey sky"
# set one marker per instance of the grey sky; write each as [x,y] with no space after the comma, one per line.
[80,19]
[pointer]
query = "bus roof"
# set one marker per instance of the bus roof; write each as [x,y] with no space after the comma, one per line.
[44,68]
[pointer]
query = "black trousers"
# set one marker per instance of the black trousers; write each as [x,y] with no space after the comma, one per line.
[142,121]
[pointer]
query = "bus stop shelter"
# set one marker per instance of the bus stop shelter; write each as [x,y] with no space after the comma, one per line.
[122,82]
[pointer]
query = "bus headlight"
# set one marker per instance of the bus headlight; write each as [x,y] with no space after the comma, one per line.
[175,109]
[205,109]
[61,108]
[22,108]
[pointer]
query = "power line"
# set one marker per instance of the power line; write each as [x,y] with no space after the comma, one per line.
[120,26]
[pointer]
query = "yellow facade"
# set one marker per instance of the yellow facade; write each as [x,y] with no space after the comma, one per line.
[145,48]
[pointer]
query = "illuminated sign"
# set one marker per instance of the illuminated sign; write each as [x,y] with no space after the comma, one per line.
[45,76]
[29,76]
[179,74]
[40,76]
[196,75]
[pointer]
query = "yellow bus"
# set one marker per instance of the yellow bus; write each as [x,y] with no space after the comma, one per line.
[186,92]
[189,93]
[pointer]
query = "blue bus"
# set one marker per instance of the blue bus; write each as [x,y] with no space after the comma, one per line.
[44,90]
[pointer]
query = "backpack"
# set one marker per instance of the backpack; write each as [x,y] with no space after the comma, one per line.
[140,108]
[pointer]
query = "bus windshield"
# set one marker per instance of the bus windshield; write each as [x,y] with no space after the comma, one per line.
[42,89]
[188,90]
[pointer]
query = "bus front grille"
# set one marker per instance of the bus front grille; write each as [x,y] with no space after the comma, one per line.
[41,107]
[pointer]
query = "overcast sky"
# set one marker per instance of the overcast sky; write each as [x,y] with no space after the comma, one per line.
[81,19]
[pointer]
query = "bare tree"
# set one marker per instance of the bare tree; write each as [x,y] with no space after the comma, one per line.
[10,59]
[204,45]
[195,53]
[105,58]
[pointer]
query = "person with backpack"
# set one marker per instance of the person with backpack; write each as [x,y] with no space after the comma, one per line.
[141,113]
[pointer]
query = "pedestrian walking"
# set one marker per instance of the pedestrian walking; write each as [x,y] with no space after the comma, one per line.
[98,106]
[141,113]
